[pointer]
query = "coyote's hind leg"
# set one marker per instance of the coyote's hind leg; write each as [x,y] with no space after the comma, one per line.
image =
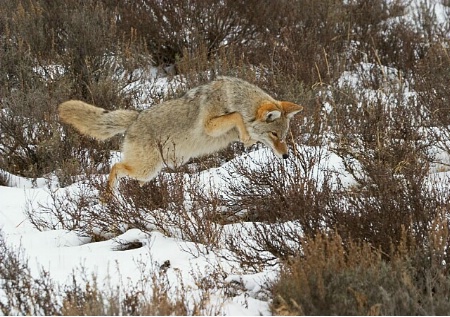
[141,171]
[118,171]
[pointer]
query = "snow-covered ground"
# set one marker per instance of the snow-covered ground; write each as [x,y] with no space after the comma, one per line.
[65,253]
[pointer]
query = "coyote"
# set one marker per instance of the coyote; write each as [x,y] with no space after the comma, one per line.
[205,120]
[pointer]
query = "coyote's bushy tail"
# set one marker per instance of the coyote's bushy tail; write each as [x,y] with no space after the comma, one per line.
[94,121]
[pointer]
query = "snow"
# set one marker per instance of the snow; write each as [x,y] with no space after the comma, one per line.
[239,292]
[63,252]
[236,291]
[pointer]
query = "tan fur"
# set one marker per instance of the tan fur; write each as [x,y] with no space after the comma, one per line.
[96,122]
[206,119]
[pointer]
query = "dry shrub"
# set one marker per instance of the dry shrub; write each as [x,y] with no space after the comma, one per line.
[21,293]
[143,207]
[430,81]
[53,52]
[27,294]
[198,67]
[173,28]
[282,190]
[309,40]
[78,208]
[4,179]
[152,296]
[279,202]
[87,300]
[331,277]
[172,203]
[65,209]
[379,138]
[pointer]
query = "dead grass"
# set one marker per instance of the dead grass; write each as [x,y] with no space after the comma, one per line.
[331,277]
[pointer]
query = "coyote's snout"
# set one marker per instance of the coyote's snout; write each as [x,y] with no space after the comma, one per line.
[206,119]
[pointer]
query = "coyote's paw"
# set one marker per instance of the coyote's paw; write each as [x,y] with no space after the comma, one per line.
[248,142]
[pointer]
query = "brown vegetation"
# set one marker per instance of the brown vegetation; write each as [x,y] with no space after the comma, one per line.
[376,247]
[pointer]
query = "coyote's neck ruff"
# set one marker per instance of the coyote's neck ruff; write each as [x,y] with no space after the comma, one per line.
[206,119]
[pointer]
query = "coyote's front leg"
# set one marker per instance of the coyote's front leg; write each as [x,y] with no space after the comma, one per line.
[220,125]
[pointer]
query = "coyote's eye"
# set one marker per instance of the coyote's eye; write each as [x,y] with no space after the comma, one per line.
[274,134]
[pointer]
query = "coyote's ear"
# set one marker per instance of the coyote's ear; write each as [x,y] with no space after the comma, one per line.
[291,109]
[272,115]
[268,112]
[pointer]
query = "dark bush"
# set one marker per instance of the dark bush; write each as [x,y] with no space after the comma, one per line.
[51,52]
[335,278]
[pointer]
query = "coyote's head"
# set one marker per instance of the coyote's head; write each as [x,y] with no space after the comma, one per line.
[271,125]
